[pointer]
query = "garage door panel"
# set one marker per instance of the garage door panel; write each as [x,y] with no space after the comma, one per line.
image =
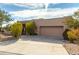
[51,30]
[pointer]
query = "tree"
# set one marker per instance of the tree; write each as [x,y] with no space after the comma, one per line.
[72,23]
[4,17]
[31,28]
[16,29]
[76,15]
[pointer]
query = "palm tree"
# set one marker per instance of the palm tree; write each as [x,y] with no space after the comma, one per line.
[4,17]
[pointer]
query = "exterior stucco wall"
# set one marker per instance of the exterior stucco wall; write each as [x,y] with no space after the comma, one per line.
[55,22]
[49,22]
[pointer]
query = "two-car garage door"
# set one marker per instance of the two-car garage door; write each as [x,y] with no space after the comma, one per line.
[51,30]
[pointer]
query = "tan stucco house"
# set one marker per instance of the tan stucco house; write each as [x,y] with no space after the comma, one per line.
[49,27]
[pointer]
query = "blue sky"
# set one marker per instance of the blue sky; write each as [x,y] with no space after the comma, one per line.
[10,7]
[63,5]
[28,11]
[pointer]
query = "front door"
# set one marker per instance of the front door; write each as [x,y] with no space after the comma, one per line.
[23,29]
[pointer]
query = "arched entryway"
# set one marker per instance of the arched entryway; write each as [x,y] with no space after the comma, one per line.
[23,29]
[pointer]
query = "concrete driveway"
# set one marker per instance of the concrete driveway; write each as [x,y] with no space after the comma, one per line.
[34,45]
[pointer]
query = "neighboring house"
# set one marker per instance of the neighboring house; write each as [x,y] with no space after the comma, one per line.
[49,27]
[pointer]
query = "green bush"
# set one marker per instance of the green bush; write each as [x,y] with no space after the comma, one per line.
[31,28]
[16,29]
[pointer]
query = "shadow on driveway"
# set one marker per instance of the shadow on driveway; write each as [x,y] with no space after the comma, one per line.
[48,39]
[7,41]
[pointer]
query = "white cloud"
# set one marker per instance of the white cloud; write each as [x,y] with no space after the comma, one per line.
[42,13]
[31,5]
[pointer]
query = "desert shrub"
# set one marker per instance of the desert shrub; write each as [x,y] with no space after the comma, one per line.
[77,33]
[72,23]
[72,36]
[31,28]
[16,29]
